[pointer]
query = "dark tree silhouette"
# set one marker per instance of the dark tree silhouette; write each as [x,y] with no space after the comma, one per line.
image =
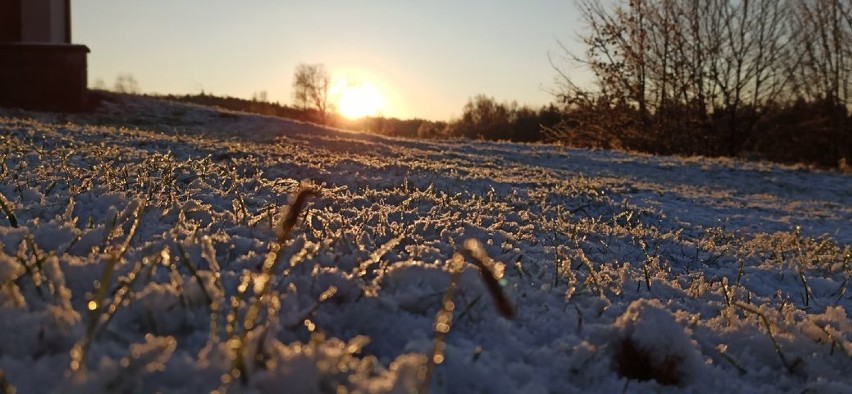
[311,84]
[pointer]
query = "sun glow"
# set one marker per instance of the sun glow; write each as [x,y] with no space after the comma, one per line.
[357,100]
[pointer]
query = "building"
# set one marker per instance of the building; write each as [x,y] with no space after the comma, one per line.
[39,67]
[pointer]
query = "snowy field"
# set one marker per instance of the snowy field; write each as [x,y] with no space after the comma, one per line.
[156,247]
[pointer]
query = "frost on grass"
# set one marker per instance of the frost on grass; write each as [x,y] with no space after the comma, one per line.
[157,247]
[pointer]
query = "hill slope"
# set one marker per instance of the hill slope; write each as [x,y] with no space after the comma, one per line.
[146,248]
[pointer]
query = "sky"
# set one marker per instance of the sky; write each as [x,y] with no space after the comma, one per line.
[426,58]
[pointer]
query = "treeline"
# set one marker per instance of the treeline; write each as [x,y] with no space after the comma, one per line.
[482,117]
[257,105]
[761,79]
[764,78]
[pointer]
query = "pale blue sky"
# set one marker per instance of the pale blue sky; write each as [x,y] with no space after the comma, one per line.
[426,57]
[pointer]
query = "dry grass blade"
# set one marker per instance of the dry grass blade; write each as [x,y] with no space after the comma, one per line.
[443,321]
[326,295]
[832,338]
[790,366]
[723,351]
[208,253]
[377,255]
[649,259]
[489,273]
[6,206]
[123,293]
[96,304]
[264,286]
[800,268]
[291,214]
[142,358]
[188,265]
[5,386]
[33,271]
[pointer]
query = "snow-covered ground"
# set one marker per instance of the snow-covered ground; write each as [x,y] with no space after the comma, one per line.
[145,248]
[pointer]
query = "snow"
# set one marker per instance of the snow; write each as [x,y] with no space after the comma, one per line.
[147,251]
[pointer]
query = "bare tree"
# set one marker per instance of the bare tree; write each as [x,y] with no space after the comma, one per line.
[99,84]
[822,69]
[747,72]
[126,83]
[261,96]
[311,84]
[713,77]
[677,62]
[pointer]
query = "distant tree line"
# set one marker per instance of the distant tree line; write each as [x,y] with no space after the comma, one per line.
[482,117]
[769,78]
[255,105]
[124,83]
[765,79]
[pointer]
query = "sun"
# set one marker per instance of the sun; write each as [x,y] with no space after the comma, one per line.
[357,100]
